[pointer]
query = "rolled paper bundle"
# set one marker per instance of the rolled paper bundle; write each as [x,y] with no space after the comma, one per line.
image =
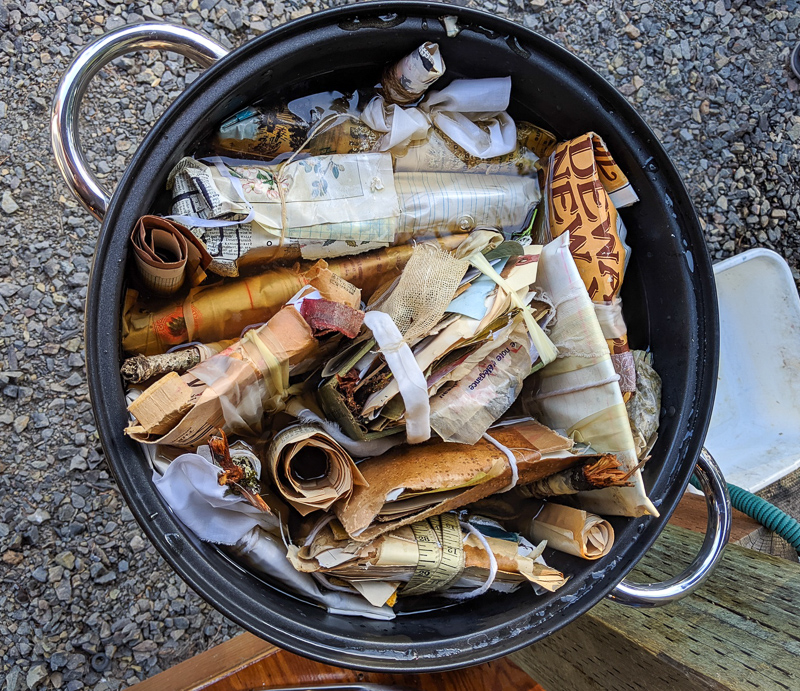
[166,254]
[584,187]
[265,133]
[435,555]
[230,390]
[221,311]
[245,217]
[591,474]
[310,469]
[569,530]
[408,79]
[438,152]
[140,368]
[579,392]
[409,483]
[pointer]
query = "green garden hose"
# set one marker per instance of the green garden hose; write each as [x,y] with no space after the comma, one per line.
[768,515]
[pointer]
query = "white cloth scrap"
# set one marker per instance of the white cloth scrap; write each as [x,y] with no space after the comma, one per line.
[454,110]
[210,510]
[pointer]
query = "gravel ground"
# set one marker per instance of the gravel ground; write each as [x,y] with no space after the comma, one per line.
[78,576]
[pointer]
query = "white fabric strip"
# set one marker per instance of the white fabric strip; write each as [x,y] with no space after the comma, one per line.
[455,110]
[410,379]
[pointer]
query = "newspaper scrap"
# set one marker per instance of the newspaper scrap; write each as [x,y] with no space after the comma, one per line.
[166,254]
[584,188]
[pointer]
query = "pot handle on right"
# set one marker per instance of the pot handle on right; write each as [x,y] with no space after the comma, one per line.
[65,113]
[717,532]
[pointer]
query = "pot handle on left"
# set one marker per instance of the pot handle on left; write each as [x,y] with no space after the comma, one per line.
[718,530]
[65,115]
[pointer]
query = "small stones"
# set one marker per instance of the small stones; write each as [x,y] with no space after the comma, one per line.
[8,204]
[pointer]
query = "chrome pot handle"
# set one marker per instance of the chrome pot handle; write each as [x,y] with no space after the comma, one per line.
[717,532]
[64,118]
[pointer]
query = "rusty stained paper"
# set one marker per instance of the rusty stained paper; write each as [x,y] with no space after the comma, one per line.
[222,310]
[584,186]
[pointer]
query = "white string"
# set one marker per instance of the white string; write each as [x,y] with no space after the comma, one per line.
[512,462]
[492,566]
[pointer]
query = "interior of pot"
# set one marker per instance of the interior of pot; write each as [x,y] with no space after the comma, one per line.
[668,299]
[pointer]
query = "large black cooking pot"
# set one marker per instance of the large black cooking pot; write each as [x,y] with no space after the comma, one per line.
[669,299]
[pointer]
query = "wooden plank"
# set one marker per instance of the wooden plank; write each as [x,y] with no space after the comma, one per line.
[207,668]
[246,662]
[740,631]
[285,669]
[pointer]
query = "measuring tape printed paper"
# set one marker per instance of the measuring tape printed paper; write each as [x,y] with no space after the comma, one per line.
[441,555]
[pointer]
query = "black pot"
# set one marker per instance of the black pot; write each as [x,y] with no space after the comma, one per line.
[669,299]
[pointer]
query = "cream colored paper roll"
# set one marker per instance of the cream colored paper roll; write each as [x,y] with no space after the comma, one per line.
[573,531]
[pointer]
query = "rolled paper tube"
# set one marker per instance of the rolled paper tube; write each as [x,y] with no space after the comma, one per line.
[271,133]
[143,367]
[573,531]
[231,390]
[405,81]
[596,474]
[310,469]
[220,311]
[166,254]
[583,182]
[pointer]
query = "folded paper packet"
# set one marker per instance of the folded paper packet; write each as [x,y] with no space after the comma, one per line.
[167,254]
[579,392]
[310,469]
[430,556]
[569,530]
[584,188]
[221,311]
[409,483]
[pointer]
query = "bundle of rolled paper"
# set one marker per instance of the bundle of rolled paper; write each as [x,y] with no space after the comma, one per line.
[402,395]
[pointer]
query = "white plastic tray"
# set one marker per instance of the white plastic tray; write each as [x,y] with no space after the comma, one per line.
[755,427]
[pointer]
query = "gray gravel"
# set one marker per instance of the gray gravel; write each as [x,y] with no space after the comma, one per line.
[78,576]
